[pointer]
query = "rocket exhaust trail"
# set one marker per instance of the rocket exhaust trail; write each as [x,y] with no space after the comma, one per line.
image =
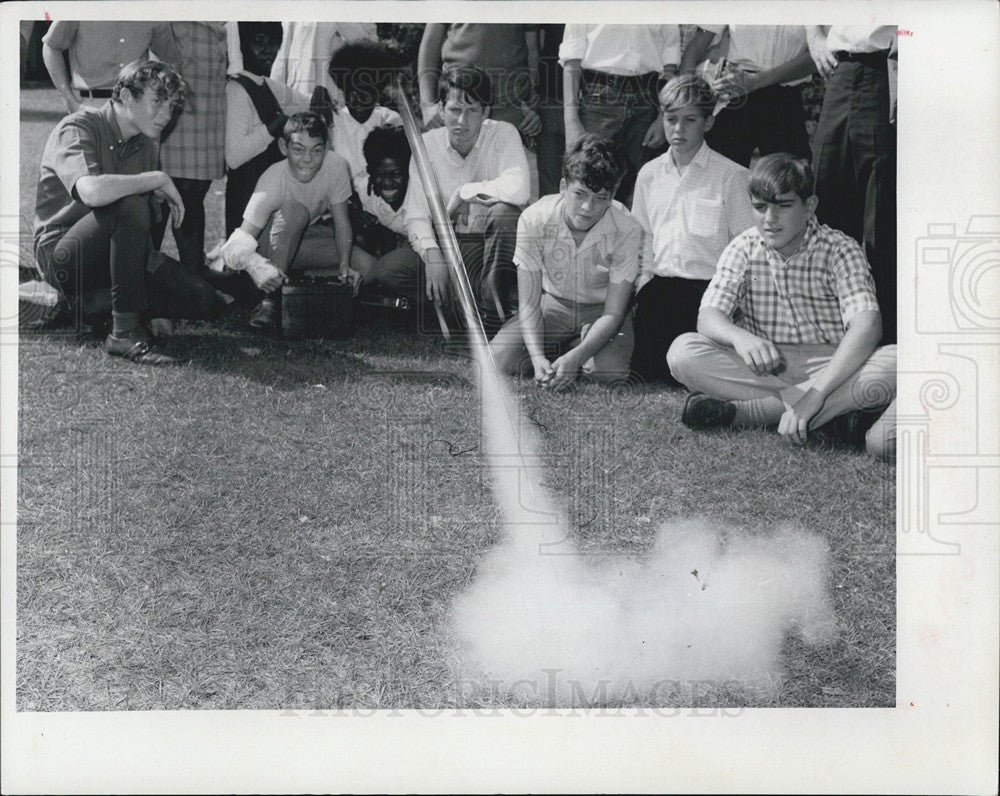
[544,625]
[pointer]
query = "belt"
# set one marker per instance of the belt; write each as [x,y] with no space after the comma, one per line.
[875,60]
[632,83]
[96,93]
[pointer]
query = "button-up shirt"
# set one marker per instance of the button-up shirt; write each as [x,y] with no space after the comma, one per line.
[689,218]
[98,51]
[88,142]
[622,49]
[608,253]
[810,297]
[496,166]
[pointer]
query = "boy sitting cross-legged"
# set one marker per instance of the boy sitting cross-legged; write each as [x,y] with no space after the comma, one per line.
[577,258]
[289,197]
[788,327]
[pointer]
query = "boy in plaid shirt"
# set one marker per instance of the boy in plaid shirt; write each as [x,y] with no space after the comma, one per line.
[788,327]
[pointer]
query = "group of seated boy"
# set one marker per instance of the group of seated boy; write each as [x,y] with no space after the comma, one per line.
[718,279]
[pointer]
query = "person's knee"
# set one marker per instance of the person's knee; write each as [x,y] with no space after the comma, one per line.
[133,211]
[681,354]
[503,216]
[880,442]
[294,214]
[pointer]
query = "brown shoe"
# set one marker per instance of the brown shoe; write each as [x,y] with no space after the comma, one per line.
[137,346]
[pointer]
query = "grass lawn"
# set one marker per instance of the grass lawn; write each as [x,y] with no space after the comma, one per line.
[285,524]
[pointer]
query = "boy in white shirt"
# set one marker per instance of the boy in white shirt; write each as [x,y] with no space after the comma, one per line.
[690,202]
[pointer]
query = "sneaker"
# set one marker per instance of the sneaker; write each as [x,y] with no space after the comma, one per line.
[263,316]
[702,411]
[137,346]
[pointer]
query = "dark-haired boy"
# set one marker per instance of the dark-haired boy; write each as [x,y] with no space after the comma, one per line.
[789,325]
[690,202]
[361,70]
[382,254]
[577,259]
[289,197]
[483,175]
[98,179]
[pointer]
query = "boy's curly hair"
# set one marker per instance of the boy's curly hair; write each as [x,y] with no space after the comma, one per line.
[387,141]
[157,76]
[596,162]
[363,67]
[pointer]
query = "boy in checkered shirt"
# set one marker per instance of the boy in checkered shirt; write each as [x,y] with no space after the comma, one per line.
[789,326]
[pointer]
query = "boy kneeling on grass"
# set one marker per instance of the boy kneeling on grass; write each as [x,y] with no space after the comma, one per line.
[99,180]
[577,259]
[788,327]
[289,197]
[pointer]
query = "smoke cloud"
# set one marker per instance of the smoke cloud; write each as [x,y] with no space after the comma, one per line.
[546,624]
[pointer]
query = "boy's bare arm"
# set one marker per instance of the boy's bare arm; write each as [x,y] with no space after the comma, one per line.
[529,318]
[56,66]
[760,355]
[345,242]
[429,67]
[695,49]
[100,190]
[572,77]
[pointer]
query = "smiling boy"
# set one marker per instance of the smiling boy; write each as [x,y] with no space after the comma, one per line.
[93,214]
[788,328]
[690,202]
[289,197]
[577,259]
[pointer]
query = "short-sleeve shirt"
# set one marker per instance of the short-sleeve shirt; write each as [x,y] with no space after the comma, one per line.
[608,254]
[277,185]
[99,50]
[88,142]
[810,297]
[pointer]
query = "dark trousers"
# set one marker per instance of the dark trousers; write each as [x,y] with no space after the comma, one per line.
[111,247]
[623,115]
[666,307]
[771,120]
[489,263]
[549,147]
[854,157]
[190,235]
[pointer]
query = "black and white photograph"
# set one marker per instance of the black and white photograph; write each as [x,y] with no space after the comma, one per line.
[442,393]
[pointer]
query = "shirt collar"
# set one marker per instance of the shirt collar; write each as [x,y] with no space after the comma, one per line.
[700,160]
[812,228]
[107,110]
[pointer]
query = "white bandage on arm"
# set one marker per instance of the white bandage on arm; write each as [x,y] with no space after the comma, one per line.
[240,254]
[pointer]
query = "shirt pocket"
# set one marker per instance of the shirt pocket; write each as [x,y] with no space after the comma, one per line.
[597,276]
[706,215]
